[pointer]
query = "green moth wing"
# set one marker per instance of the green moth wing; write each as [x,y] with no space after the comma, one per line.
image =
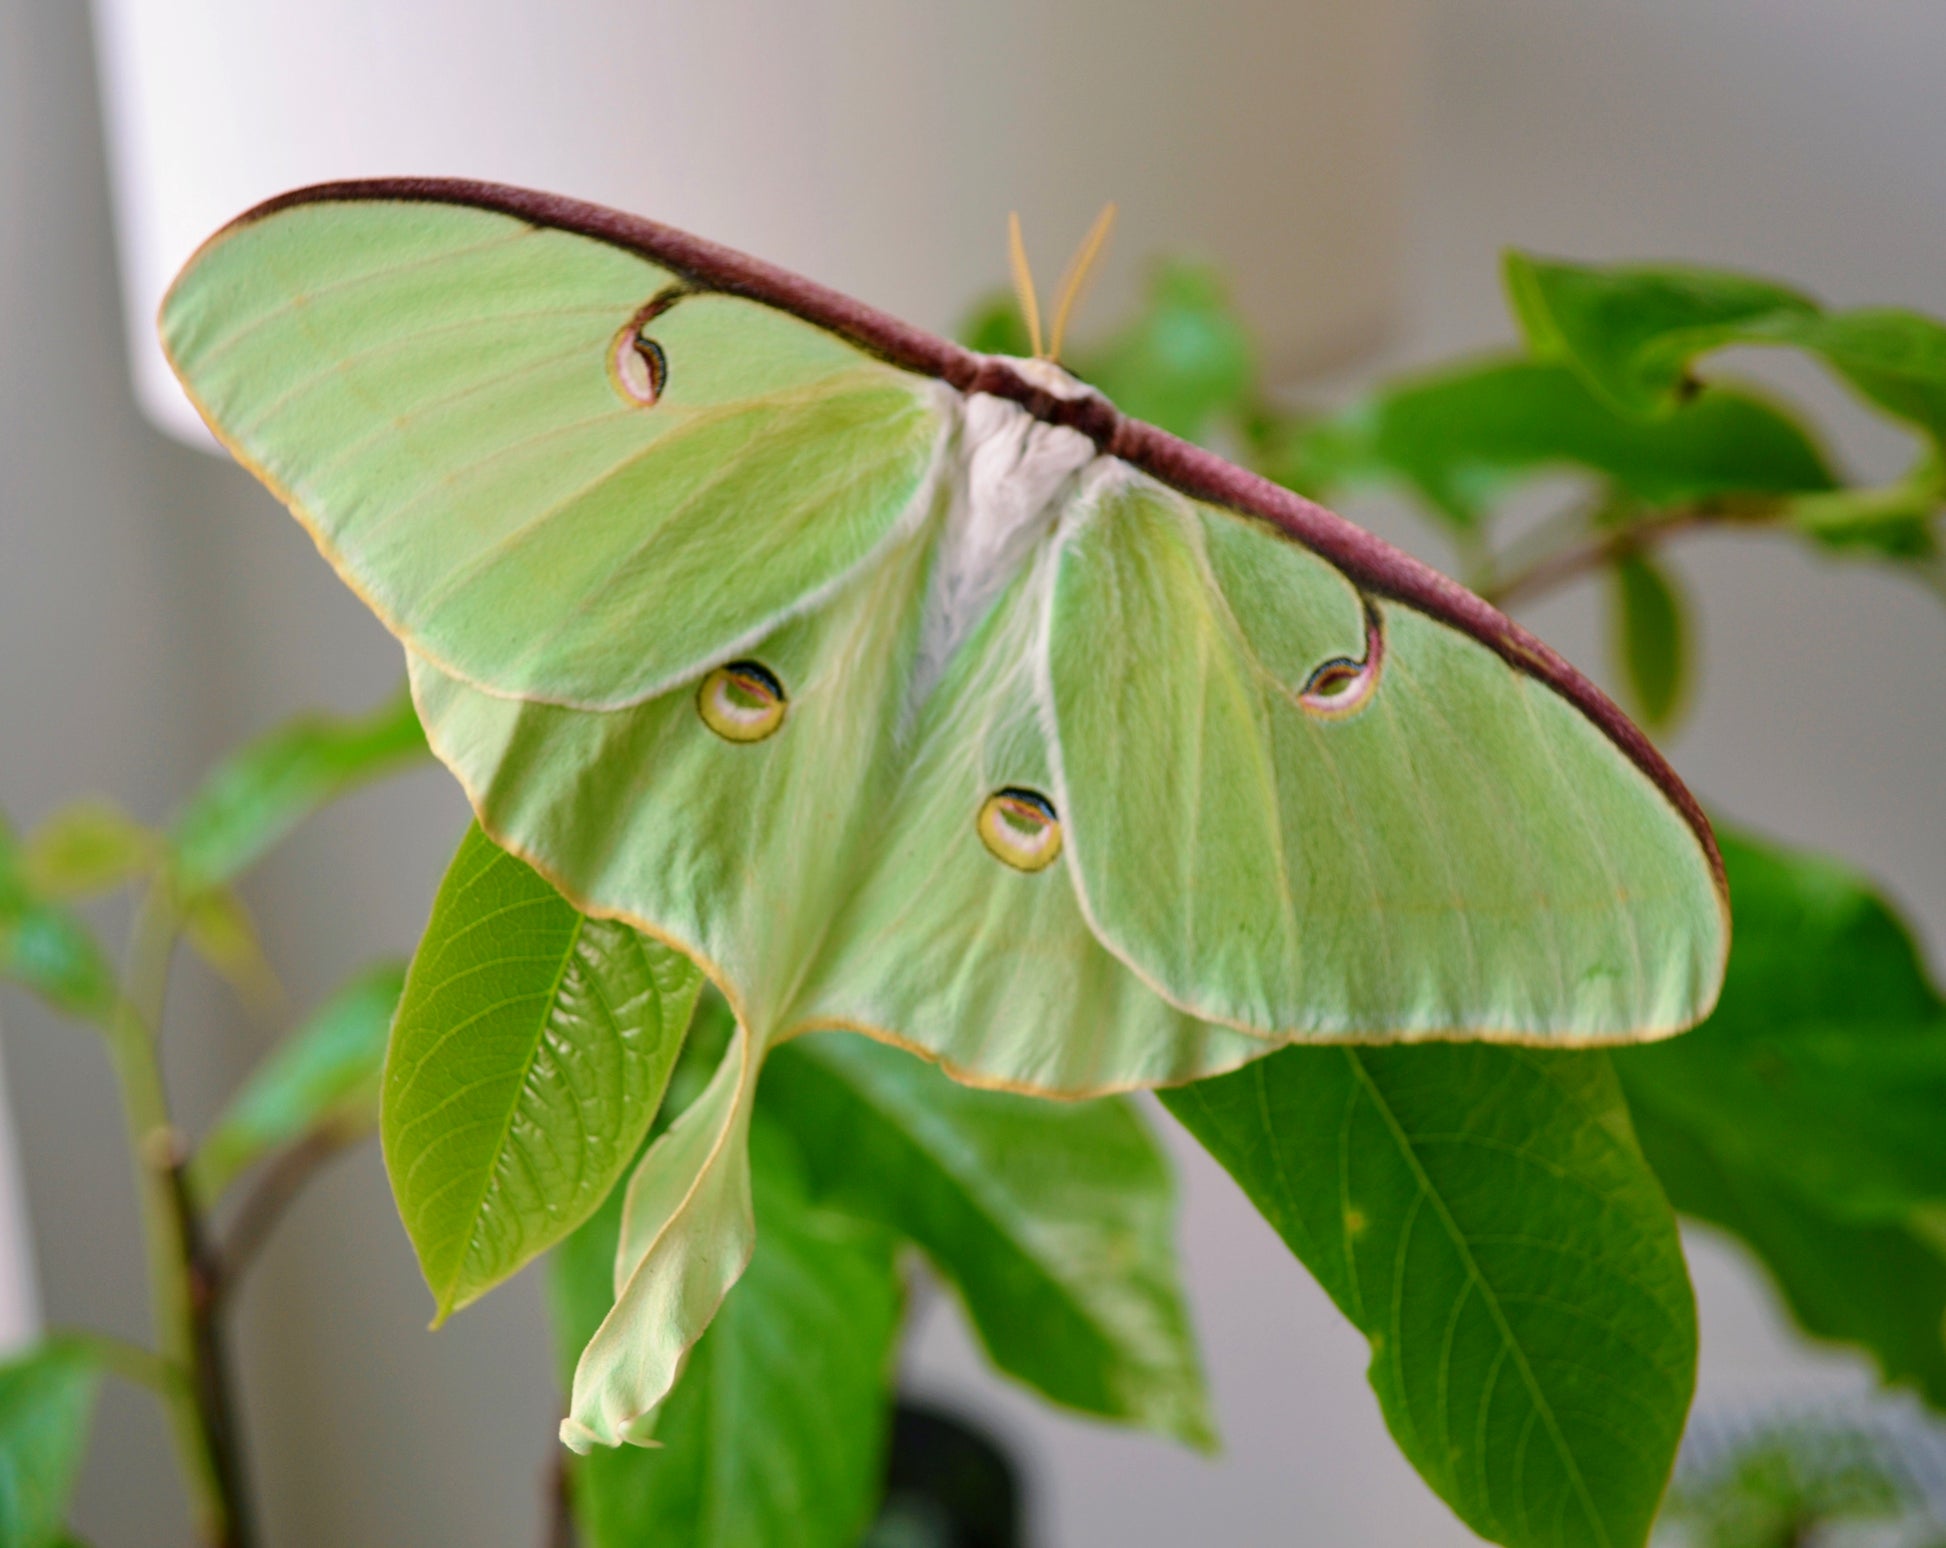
[919,692]
[1317,814]
[835,876]
[688,1230]
[414,380]
[942,946]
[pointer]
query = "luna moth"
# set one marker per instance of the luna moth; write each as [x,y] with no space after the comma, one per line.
[919,692]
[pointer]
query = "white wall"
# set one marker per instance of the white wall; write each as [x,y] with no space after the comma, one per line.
[154,605]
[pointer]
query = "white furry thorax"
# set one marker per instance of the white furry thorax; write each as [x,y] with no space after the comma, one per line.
[1006,477]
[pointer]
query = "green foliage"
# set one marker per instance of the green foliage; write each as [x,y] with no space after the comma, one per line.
[1785,1488]
[1632,330]
[323,1080]
[88,847]
[530,1054]
[1636,334]
[44,947]
[1055,1222]
[1464,439]
[1824,1065]
[47,1400]
[775,1437]
[258,794]
[1804,1115]
[1894,359]
[1651,638]
[1895,521]
[1484,1217]
[1881,1288]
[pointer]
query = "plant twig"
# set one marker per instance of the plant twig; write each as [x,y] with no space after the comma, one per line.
[187,1337]
[209,1366]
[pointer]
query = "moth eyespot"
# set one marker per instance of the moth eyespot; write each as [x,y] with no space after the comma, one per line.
[742,702]
[1342,686]
[637,366]
[1020,829]
[1333,688]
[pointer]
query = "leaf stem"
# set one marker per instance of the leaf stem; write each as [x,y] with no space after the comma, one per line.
[187,1338]
[119,1357]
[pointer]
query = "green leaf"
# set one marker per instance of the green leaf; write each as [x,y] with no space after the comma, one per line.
[258,794]
[322,1079]
[1895,359]
[775,1436]
[49,951]
[1184,361]
[1632,330]
[1483,1216]
[1879,1287]
[1465,438]
[46,1401]
[1054,1221]
[45,948]
[1822,1072]
[1803,1116]
[1635,332]
[529,1057]
[88,847]
[1651,639]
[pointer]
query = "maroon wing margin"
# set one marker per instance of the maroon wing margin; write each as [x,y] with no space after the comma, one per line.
[1370,562]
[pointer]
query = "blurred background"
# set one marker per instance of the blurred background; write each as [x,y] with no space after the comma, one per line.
[1356,165]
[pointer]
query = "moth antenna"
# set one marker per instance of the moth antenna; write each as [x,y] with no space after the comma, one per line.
[1075,281]
[1030,307]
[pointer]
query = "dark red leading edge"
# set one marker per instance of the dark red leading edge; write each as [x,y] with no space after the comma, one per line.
[1371,562]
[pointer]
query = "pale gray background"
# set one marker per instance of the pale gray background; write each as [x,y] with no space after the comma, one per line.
[154,606]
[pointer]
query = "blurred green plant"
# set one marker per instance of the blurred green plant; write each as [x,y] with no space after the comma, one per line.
[1791,1483]
[1495,1221]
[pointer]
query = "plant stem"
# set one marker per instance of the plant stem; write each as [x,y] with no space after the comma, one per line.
[187,1338]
